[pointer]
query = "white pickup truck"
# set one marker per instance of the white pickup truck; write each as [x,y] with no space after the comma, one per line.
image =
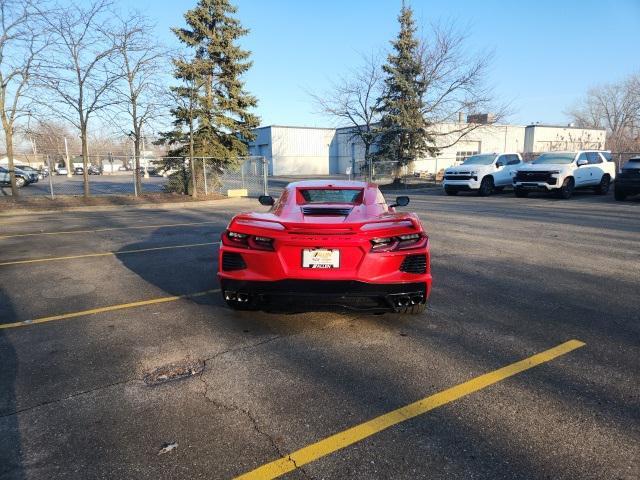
[563,172]
[482,173]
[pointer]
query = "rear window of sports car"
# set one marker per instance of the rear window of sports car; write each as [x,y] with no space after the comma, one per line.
[331,195]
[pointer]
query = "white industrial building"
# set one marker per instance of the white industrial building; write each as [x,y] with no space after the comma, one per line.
[329,151]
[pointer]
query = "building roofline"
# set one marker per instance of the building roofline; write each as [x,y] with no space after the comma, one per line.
[337,129]
[550,125]
[293,126]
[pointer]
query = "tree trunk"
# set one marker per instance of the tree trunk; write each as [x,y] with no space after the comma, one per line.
[8,133]
[136,156]
[85,161]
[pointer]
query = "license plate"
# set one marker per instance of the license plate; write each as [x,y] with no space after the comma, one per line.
[320,258]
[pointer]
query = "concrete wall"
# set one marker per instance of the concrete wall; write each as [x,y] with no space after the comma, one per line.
[324,151]
[295,150]
[484,139]
[544,138]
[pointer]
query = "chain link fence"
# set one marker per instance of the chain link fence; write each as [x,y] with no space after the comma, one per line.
[49,175]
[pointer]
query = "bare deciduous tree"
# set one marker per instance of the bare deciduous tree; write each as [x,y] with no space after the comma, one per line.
[455,82]
[142,95]
[48,138]
[615,107]
[80,73]
[21,43]
[355,100]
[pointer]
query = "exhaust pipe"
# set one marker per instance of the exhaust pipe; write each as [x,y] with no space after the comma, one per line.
[230,295]
[243,297]
[416,299]
[403,301]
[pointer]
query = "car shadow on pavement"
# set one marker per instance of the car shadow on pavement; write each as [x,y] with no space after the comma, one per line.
[11,455]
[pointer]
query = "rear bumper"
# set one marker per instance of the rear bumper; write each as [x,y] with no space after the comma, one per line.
[297,294]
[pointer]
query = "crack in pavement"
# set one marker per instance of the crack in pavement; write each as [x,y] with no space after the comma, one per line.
[247,413]
[131,379]
[68,397]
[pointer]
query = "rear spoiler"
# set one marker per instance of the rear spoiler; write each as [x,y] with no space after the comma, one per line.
[304,228]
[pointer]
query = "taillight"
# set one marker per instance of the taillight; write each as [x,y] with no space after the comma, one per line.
[261,243]
[400,242]
[243,240]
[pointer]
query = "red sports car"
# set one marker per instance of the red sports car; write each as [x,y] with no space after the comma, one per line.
[326,244]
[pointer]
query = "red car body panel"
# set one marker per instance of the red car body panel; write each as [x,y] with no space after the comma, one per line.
[294,224]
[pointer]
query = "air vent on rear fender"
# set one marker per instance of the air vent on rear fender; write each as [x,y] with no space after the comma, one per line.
[326,211]
[232,261]
[414,264]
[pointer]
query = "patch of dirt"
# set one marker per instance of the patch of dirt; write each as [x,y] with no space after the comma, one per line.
[42,202]
[174,371]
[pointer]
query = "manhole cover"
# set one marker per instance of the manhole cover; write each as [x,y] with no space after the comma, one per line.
[174,371]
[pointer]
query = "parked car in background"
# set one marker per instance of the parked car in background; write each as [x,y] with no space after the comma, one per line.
[482,173]
[34,174]
[563,172]
[22,178]
[94,170]
[61,170]
[78,171]
[628,180]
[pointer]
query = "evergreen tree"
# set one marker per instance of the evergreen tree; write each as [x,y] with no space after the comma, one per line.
[212,115]
[403,128]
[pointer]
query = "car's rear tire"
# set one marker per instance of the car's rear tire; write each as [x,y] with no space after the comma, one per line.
[20,182]
[619,194]
[486,186]
[450,191]
[604,185]
[566,190]
[416,309]
[520,192]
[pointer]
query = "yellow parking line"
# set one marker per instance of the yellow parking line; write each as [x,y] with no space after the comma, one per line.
[355,434]
[65,232]
[110,308]
[105,254]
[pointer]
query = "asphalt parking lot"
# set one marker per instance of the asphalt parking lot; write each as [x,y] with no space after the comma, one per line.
[92,303]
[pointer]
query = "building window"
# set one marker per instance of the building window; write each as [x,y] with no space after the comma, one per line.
[462,156]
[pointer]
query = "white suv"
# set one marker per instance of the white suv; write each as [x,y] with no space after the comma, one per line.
[482,173]
[562,172]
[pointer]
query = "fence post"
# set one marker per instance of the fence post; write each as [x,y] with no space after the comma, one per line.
[265,179]
[204,174]
[50,176]
[619,163]
[135,184]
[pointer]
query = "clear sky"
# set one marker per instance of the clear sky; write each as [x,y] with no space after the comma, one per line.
[546,53]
